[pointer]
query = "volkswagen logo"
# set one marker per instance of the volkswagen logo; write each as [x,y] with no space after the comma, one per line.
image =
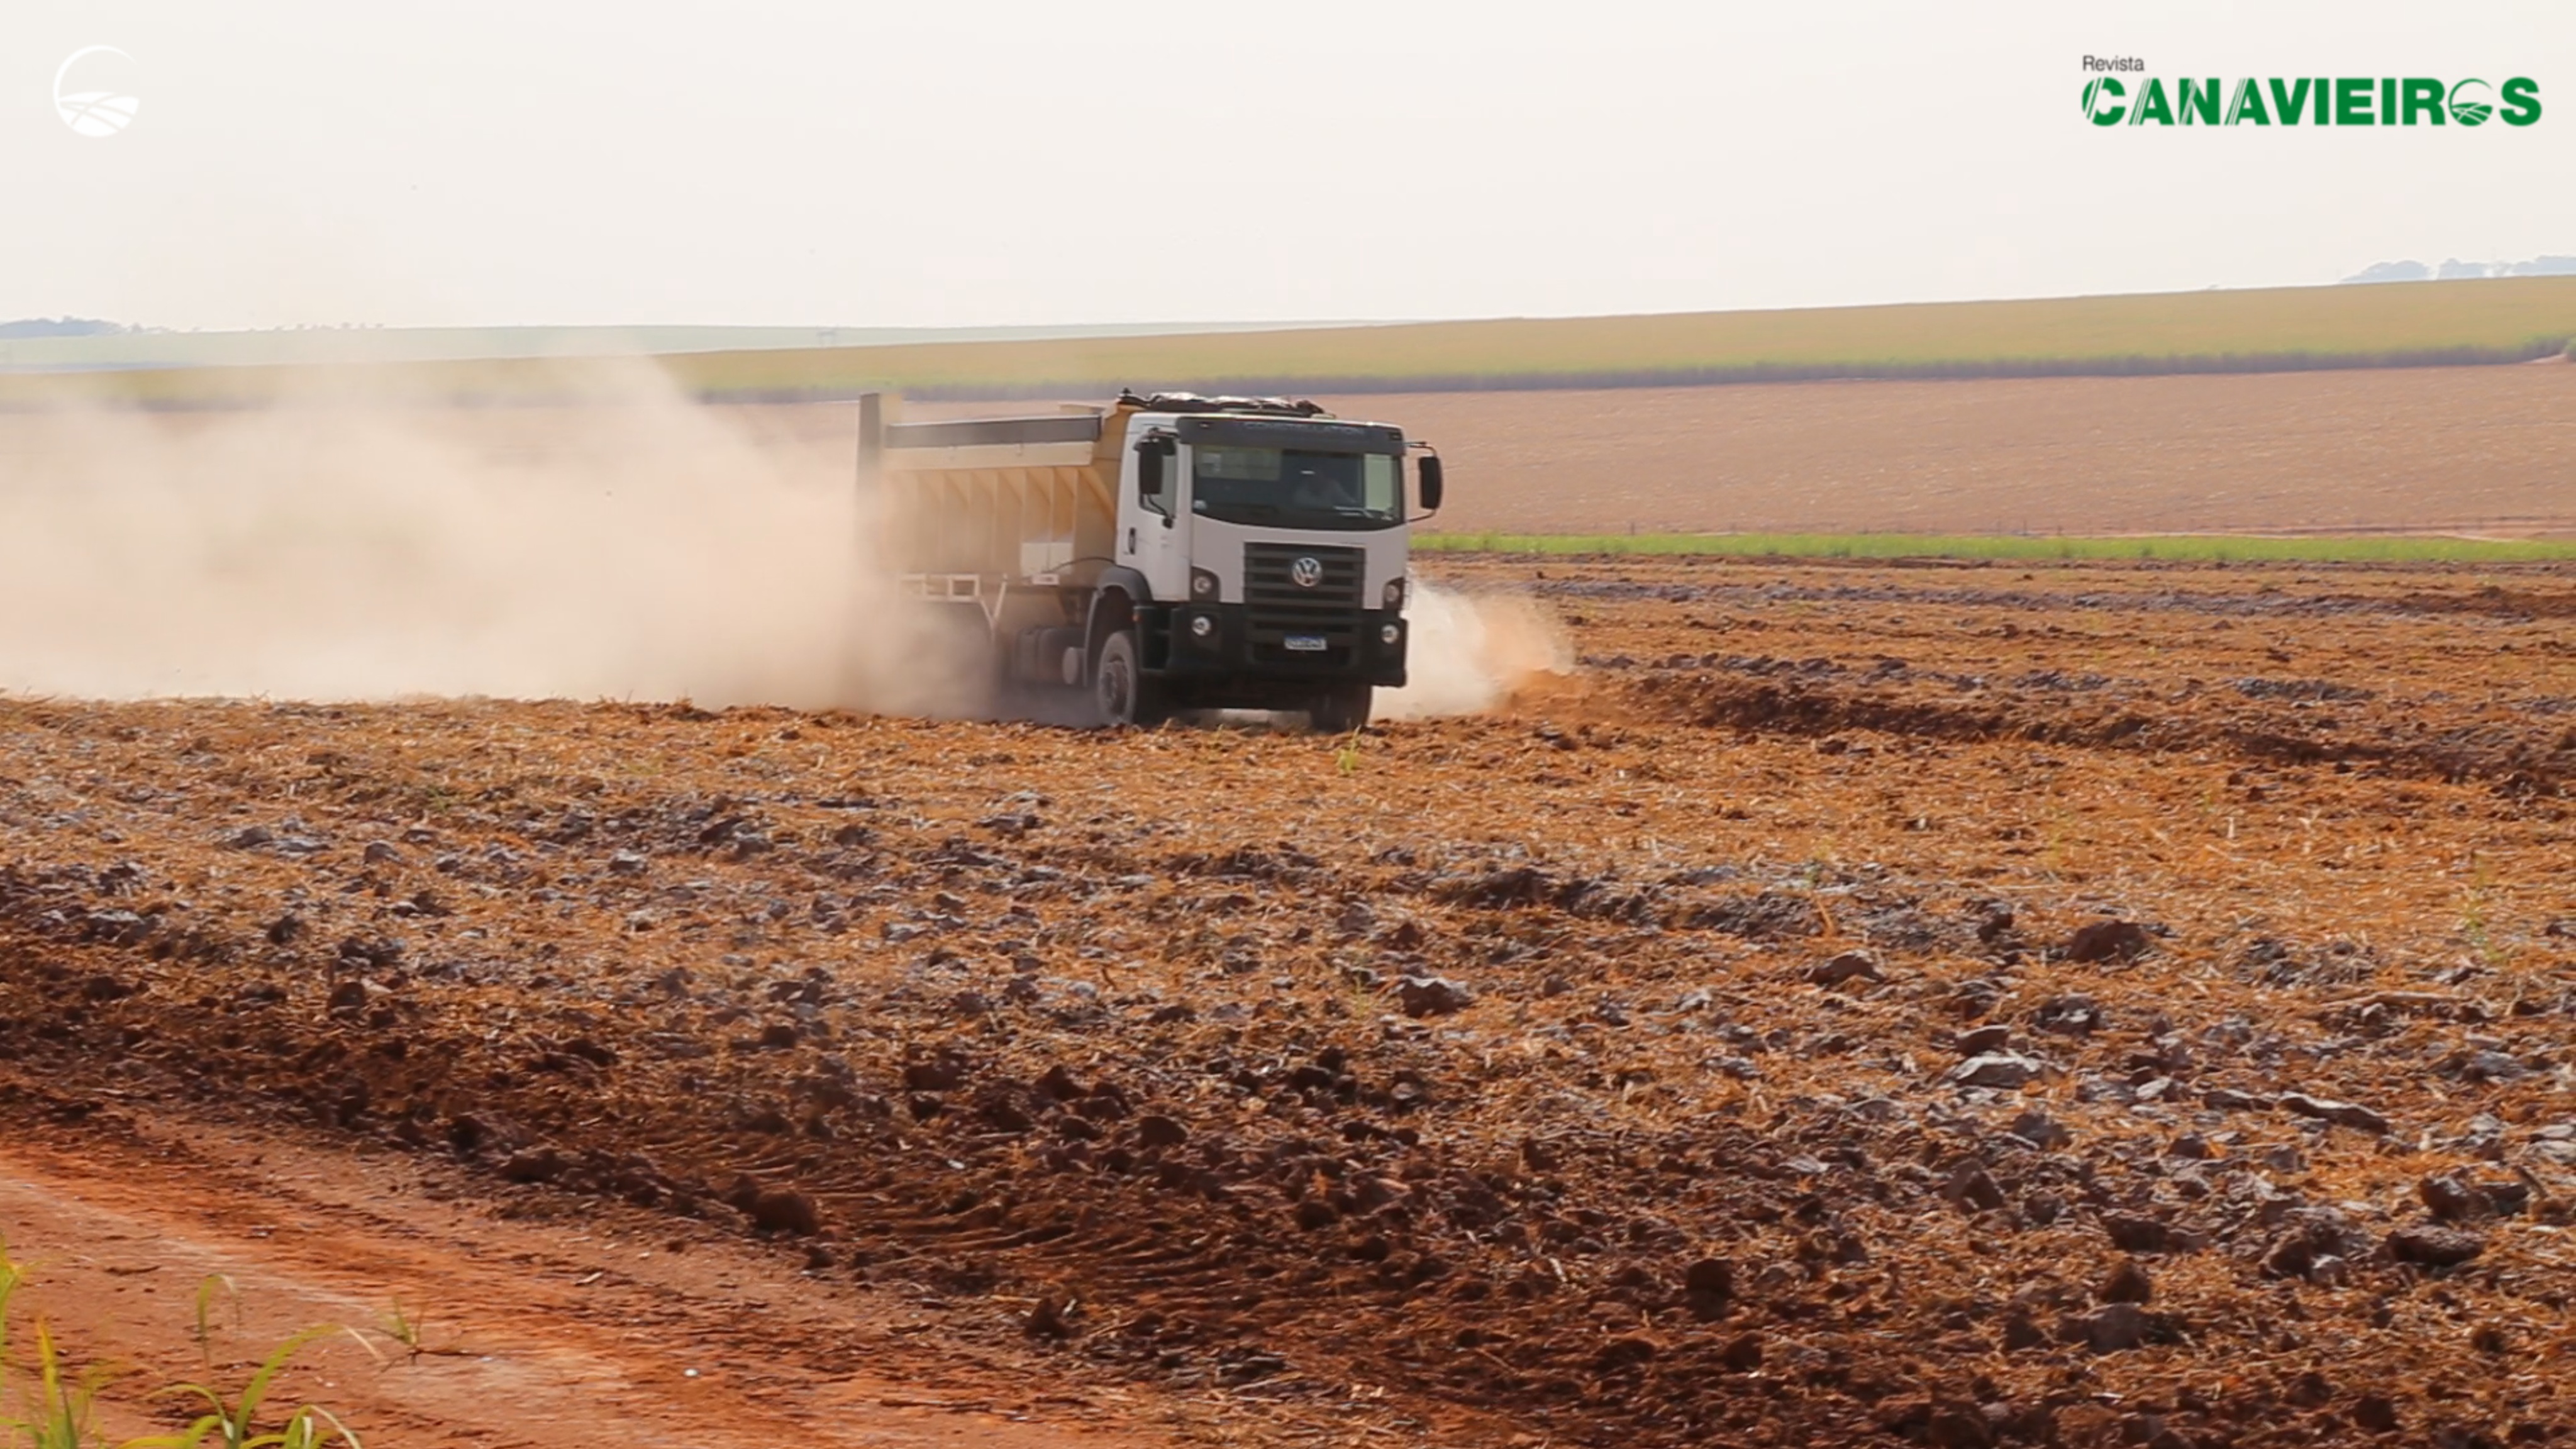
[1306,572]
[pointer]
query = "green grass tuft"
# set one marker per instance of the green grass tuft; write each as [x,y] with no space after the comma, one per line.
[53,1409]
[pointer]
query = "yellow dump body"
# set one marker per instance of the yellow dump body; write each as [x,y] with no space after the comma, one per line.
[974,505]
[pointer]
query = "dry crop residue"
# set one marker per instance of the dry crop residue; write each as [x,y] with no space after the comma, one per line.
[1964,1006]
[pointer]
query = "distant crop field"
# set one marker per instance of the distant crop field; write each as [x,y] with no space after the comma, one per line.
[335,346]
[2424,452]
[2279,329]
[2402,463]
[2196,548]
[2283,329]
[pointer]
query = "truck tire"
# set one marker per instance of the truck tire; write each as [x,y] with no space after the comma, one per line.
[1340,710]
[1119,687]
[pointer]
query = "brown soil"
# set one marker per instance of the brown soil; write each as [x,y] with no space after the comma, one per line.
[623,1327]
[2475,449]
[1947,1005]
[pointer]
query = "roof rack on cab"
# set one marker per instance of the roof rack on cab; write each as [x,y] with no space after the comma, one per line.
[1190,402]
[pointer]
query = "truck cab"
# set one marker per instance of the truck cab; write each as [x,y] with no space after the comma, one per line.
[1255,552]
[1269,550]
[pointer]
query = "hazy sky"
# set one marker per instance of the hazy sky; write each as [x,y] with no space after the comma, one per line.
[987,161]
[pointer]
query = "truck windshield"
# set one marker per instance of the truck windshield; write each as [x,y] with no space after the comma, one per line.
[1290,488]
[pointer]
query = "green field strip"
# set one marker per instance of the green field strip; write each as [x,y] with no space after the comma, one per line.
[2409,324]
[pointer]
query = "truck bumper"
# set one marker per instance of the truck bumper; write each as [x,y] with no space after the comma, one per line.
[1214,646]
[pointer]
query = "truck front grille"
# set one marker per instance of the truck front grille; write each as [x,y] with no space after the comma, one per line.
[1279,608]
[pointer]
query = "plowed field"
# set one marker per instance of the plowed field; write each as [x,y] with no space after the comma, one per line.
[2415,450]
[1957,1005]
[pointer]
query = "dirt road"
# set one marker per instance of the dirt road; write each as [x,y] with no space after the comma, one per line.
[618,1328]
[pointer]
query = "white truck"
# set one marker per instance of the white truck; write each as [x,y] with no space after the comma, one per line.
[1163,553]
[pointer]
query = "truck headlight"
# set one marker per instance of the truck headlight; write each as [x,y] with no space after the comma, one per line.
[1203,586]
[1389,633]
[1202,626]
[1393,596]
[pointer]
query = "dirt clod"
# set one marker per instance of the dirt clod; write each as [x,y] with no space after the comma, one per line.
[1047,1318]
[944,1074]
[2041,1130]
[543,1164]
[1849,966]
[1433,996]
[2342,1114]
[2452,1201]
[2109,940]
[776,1209]
[1708,1288]
[2111,1328]
[2434,1247]
[2132,1233]
[1974,1188]
[1995,1038]
[2126,1283]
[1958,1426]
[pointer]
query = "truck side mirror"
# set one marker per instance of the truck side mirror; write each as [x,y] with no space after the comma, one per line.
[1151,456]
[1429,486]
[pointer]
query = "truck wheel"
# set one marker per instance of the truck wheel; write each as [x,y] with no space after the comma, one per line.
[1340,710]
[1119,686]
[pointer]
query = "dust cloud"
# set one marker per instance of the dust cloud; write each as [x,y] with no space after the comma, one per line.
[630,544]
[625,542]
[1470,651]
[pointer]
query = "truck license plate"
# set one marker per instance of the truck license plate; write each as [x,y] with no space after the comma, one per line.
[1306,643]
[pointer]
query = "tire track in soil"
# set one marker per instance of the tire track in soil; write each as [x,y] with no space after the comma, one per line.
[1205,1291]
[2364,716]
[2517,759]
[532,1339]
